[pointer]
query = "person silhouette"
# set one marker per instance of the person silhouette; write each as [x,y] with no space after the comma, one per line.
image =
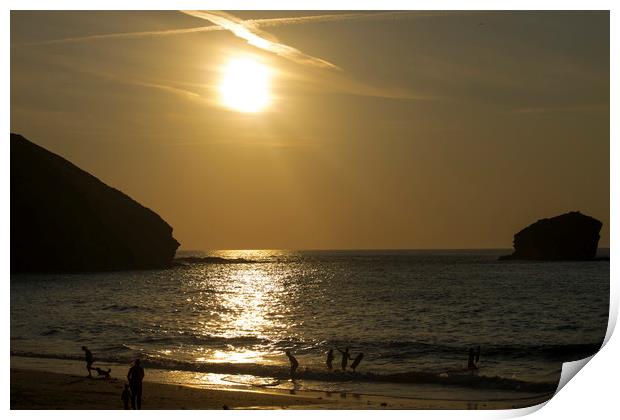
[477,355]
[134,377]
[470,359]
[88,356]
[294,363]
[345,358]
[357,361]
[125,397]
[330,359]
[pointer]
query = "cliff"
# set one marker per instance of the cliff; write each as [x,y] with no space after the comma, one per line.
[65,220]
[570,236]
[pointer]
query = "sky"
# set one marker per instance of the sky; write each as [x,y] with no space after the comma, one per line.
[420,130]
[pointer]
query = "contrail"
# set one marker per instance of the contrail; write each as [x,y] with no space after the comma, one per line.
[321,18]
[260,39]
[122,35]
[253,23]
[249,30]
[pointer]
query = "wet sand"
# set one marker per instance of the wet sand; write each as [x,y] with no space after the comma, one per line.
[32,389]
[36,389]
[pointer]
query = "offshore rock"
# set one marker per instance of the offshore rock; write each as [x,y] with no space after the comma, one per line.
[65,220]
[571,236]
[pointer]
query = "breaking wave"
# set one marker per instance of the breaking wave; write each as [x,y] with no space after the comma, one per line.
[462,378]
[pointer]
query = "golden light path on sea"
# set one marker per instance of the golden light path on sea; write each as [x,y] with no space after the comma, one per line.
[251,307]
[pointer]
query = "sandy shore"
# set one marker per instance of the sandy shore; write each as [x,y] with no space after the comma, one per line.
[32,389]
[44,390]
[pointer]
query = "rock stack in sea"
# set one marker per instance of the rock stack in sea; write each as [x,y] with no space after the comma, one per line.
[63,219]
[570,236]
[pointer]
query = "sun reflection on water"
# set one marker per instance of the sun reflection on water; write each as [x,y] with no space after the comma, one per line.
[251,254]
[251,302]
[233,356]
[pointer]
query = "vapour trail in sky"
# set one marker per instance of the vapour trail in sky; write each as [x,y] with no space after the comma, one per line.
[260,39]
[254,23]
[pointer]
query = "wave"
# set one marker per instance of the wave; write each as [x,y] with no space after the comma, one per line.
[120,308]
[403,350]
[382,351]
[212,260]
[195,339]
[554,352]
[269,373]
[51,331]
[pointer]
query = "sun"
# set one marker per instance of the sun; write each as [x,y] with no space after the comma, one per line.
[245,85]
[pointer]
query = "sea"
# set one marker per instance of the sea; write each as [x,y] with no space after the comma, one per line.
[231,315]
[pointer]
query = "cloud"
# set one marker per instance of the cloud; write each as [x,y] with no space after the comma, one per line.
[557,109]
[121,35]
[171,87]
[251,23]
[250,31]
[296,20]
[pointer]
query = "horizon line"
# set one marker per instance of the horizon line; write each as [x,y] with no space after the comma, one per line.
[355,249]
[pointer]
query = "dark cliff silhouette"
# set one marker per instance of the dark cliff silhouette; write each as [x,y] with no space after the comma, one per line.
[570,236]
[65,220]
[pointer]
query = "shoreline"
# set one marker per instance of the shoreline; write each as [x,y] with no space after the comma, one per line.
[39,384]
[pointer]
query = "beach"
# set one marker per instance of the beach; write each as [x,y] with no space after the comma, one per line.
[37,385]
[33,390]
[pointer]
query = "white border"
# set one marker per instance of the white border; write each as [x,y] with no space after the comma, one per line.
[592,395]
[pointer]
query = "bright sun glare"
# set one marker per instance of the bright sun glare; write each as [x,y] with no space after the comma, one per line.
[245,85]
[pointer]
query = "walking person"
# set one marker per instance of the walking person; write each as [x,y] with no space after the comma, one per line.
[134,377]
[294,363]
[357,361]
[330,359]
[345,358]
[88,356]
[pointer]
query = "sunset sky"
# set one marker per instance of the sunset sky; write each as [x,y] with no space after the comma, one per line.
[323,129]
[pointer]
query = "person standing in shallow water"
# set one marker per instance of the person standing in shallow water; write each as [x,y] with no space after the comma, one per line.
[134,377]
[345,358]
[294,363]
[89,360]
[330,359]
[471,364]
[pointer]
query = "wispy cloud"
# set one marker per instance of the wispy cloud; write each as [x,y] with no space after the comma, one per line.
[250,31]
[185,90]
[121,35]
[336,17]
[250,23]
[557,109]
[260,39]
